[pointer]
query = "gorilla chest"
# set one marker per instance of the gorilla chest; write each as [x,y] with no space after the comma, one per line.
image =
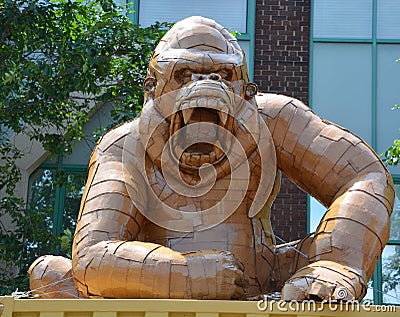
[232,191]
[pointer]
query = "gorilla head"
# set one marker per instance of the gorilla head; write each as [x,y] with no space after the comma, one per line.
[197,49]
[204,65]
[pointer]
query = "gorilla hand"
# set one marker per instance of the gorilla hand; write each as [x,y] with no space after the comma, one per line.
[325,281]
[215,275]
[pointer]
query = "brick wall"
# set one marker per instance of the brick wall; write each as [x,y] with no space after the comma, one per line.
[281,66]
[289,212]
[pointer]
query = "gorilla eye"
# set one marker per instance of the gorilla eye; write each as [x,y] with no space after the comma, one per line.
[187,73]
[183,76]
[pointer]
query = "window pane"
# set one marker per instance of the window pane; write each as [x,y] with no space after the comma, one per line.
[41,202]
[317,211]
[245,45]
[73,193]
[395,218]
[343,19]
[391,274]
[42,193]
[388,19]
[173,11]
[369,297]
[342,84]
[388,94]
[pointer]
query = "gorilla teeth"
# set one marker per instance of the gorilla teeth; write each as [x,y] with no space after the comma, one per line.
[197,159]
[223,117]
[187,114]
[218,149]
[176,124]
[213,157]
[217,104]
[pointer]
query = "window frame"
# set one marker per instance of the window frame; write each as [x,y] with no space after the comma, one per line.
[59,203]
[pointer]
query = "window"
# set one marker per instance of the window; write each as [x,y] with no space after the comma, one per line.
[353,70]
[56,187]
[389,267]
[387,95]
[337,66]
[57,195]
[388,23]
[343,19]
[161,10]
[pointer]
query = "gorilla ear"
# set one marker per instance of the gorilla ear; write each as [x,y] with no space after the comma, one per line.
[149,85]
[251,90]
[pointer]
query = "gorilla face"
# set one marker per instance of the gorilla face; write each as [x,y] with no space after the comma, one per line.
[205,66]
[204,98]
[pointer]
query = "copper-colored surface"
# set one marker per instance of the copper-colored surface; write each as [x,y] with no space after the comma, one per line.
[177,202]
[51,277]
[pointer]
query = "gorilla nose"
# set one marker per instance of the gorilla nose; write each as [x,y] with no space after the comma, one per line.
[212,76]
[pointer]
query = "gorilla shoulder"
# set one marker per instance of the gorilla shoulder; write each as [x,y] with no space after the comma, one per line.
[112,143]
[271,105]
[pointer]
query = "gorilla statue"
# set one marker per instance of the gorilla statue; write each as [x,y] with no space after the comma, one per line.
[177,202]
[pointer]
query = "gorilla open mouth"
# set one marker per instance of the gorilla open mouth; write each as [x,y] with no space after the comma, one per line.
[203,106]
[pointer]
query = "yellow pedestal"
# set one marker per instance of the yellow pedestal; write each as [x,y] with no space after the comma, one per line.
[11,307]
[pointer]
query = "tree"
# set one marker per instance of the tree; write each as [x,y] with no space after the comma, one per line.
[51,50]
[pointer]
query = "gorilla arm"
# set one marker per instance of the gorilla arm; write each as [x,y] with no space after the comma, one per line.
[347,177]
[108,258]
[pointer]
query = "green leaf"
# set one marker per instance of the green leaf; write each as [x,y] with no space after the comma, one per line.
[85,68]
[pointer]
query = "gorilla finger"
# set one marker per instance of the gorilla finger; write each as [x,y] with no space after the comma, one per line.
[239,293]
[291,291]
[240,265]
[241,279]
